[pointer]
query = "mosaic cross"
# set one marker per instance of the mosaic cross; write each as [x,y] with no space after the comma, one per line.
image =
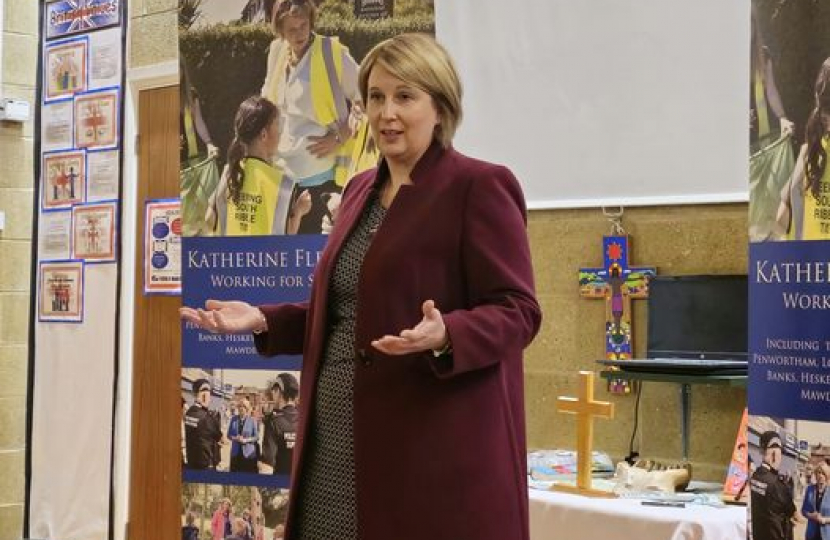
[617,283]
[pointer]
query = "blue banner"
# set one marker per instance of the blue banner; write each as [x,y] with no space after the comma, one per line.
[254,269]
[789,330]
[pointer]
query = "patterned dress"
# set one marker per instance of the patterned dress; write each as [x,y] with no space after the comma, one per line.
[327,502]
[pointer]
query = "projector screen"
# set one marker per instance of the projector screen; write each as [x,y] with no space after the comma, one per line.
[606,102]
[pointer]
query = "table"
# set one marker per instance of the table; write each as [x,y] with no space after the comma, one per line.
[561,516]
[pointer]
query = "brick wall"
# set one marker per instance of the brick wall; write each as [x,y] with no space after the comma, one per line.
[19,50]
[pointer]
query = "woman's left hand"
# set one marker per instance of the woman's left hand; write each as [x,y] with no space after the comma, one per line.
[429,334]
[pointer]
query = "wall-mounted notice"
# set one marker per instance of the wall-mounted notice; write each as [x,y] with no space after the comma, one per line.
[96,119]
[61,291]
[64,179]
[55,233]
[93,231]
[56,125]
[102,175]
[65,68]
[162,247]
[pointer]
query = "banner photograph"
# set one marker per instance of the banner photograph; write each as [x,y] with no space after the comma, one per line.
[789,270]
[272,127]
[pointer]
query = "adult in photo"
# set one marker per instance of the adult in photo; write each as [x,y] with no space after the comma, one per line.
[254,196]
[280,424]
[816,505]
[804,213]
[323,136]
[411,420]
[244,436]
[221,524]
[771,501]
[202,429]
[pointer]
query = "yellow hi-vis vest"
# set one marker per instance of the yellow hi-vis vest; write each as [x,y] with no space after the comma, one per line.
[816,218]
[359,152]
[259,198]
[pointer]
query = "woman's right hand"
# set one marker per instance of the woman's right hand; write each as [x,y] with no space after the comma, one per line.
[232,317]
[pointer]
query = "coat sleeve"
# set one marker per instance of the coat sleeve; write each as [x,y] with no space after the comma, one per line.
[502,316]
[286,329]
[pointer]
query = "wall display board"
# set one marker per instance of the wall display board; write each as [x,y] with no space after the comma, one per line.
[789,270]
[77,279]
[257,237]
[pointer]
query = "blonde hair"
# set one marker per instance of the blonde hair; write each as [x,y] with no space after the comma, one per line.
[824,469]
[292,8]
[419,60]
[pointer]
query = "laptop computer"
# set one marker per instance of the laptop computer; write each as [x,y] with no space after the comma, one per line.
[696,325]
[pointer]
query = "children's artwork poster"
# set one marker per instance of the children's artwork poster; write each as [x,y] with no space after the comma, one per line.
[61,290]
[102,175]
[789,267]
[63,179]
[93,232]
[162,247]
[65,68]
[55,235]
[105,58]
[96,119]
[57,125]
[67,17]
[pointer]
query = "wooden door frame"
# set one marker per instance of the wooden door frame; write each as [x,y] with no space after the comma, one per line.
[138,80]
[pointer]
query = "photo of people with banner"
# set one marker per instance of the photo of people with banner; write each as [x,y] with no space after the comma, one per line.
[272,122]
[238,421]
[219,512]
[789,117]
[789,468]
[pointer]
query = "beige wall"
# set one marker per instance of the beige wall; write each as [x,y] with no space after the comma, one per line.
[18,78]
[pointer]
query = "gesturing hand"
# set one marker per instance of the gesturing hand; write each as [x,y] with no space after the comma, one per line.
[231,317]
[429,334]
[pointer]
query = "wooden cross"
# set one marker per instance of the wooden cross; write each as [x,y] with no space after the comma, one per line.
[617,283]
[585,408]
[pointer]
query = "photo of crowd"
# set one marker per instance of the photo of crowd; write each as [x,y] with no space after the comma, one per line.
[217,512]
[239,421]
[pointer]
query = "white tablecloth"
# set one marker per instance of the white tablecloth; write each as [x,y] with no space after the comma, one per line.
[561,516]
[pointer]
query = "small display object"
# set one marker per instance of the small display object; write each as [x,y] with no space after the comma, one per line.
[585,407]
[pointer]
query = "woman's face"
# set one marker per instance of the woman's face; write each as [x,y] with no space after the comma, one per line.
[296,30]
[402,117]
[821,476]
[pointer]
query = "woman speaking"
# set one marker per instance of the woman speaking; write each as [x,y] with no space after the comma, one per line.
[411,401]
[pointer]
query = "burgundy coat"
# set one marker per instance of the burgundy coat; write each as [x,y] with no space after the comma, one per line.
[439,443]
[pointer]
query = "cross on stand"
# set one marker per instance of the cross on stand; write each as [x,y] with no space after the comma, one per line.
[585,408]
[617,283]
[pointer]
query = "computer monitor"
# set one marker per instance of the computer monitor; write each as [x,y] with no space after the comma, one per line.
[698,317]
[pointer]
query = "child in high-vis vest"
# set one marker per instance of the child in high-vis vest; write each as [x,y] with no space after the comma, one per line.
[254,196]
[804,213]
